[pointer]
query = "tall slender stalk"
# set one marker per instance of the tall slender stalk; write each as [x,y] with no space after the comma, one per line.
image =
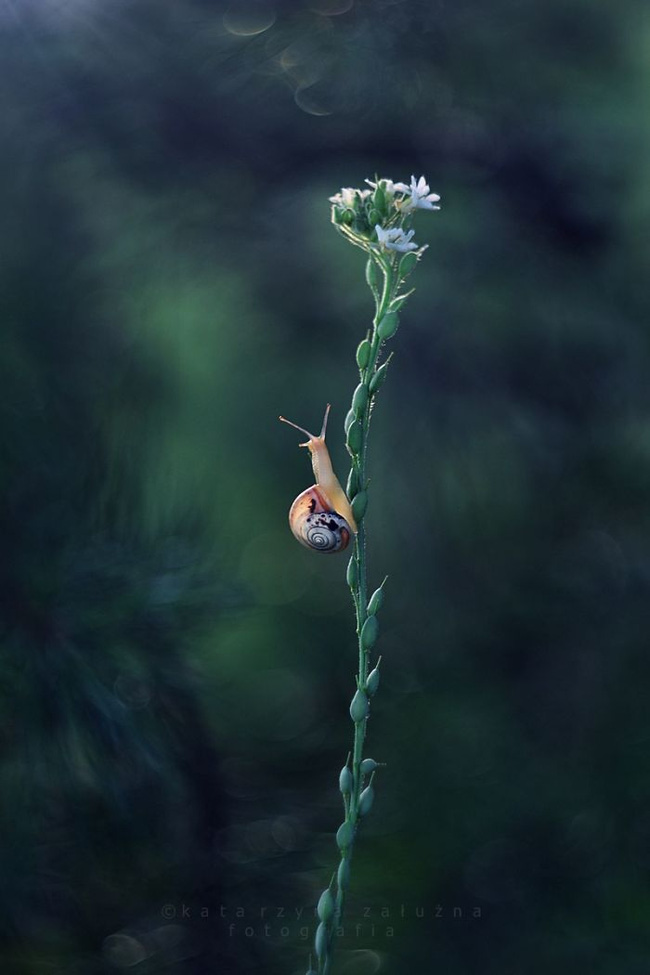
[376,221]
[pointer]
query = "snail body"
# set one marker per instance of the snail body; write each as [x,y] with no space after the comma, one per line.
[321,516]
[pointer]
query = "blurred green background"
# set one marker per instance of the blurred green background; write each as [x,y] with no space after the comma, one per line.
[176,670]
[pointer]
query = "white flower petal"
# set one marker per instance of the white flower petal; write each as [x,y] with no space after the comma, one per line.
[389,186]
[346,198]
[394,239]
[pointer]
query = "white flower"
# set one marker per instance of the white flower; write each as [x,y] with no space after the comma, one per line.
[421,197]
[347,197]
[389,186]
[394,239]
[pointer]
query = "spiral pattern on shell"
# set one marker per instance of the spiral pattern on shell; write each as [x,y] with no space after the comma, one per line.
[317,527]
[326,532]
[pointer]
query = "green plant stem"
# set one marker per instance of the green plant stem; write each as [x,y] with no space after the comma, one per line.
[360,589]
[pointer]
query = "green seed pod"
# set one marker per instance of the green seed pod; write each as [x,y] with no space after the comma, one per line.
[359,707]
[360,398]
[363,354]
[379,378]
[346,216]
[346,781]
[326,905]
[344,835]
[401,300]
[320,941]
[388,325]
[407,264]
[372,276]
[369,633]
[372,682]
[350,417]
[353,483]
[366,800]
[343,875]
[376,601]
[359,505]
[379,198]
[355,438]
[352,575]
[368,765]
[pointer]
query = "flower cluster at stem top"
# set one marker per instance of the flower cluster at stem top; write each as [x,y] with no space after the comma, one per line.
[378,218]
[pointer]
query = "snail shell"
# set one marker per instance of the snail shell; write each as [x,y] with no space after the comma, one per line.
[315,525]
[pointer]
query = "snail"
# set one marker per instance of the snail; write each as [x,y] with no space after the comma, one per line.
[321,516]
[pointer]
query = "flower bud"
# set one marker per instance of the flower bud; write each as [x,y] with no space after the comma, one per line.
[372,276]
[343,875]
[355,438]
[368,765]
[388,325]
[374,217]
[360,398]
[366,800]
[369,633]
[320,941]
[379,198]
[376,601]
[379,378]
[326,905]
[372,683]
[359,505]
[363,354]
[346,781]
[352,574]
[353,484]
[407,264]
[344,835]
[350,417]
[359,706]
